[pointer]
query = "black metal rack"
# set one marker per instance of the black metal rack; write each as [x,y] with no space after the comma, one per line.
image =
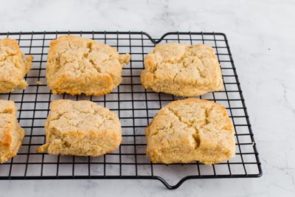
[135,107]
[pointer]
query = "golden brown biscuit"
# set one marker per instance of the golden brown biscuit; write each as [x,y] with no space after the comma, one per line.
[182,70]
[11,134]
[191,130]
[78,65]
[80,128]
[14,65]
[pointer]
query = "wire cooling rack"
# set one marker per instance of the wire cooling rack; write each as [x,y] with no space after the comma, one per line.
[135,107]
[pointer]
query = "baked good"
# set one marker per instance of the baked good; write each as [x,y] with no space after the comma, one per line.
[79,65]
[14,65]
[80,128]
[11,134]
[182,70]
[191,130]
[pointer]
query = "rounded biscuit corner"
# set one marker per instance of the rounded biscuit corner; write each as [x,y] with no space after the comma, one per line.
[28,62]
[42,149]
[146,79]
[149,63]
[22,85]
[221,86]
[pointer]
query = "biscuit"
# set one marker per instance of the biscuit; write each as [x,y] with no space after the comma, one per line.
[182,70]
[191,130]
[78,65]
[11,134]
[80,128]
[14,65]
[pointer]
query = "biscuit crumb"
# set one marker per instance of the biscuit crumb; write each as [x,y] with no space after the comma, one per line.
[39,82]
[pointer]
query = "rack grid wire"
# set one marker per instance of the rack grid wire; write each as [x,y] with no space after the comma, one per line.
[135,107]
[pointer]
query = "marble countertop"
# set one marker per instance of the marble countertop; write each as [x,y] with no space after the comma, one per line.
[261,37]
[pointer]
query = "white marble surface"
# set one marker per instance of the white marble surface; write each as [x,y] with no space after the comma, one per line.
[261,35]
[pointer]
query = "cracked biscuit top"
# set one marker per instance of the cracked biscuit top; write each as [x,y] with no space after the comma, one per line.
[182,70]
[14,65]
[81,128]
[79,65]
[191,130]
